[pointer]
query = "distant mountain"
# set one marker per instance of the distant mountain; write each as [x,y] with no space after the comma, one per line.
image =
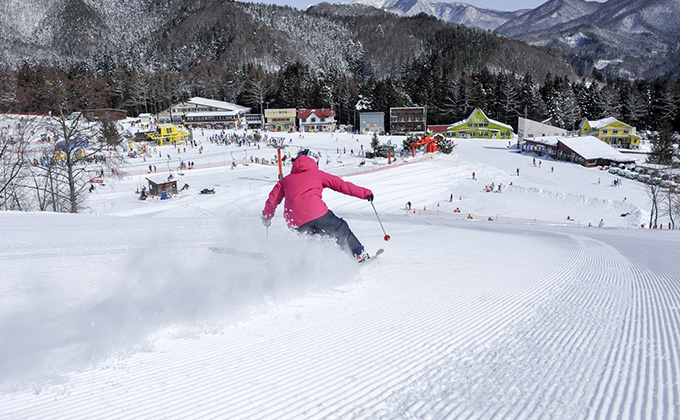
[181,35]
[461,13]
[547,16]
[627,38]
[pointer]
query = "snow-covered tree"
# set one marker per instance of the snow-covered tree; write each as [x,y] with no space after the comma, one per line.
[662,145]
[666,104]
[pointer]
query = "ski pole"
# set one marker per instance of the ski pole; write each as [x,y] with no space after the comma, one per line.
[386,237]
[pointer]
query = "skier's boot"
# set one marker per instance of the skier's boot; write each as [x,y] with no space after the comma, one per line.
[362,257]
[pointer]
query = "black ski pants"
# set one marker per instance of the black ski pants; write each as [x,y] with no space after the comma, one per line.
[331,225]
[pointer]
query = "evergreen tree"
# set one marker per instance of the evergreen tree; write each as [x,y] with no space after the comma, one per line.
[662,146]
[529,102]
[507,99]
[109,134]
[570,108]
[610,103]
[444,145]
[632,105]
[666,104]
[375,142]
[451,107]
[293,80]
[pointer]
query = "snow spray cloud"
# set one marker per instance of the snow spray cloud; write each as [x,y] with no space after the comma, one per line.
[165,282]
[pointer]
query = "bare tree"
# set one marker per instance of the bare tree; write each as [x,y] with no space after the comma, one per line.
[81,153]
[670,198]
[654,191]
[13,155]
[257,91]
[674,203]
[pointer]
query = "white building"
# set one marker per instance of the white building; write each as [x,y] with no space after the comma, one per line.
[316,120]
[529,129]
[203,111]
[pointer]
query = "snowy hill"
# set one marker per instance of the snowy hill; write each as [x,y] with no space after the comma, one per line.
[188,308]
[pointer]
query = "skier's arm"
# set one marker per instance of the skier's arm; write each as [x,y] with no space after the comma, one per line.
[337,184]
[275,198]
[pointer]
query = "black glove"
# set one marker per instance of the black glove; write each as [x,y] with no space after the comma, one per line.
[266,222]
[369,197]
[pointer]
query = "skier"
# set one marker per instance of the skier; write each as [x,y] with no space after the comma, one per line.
[304,208]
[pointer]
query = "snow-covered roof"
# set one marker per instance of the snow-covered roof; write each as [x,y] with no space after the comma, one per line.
[487,118]
[509,127]
[603,122]
[590,147]
[212,114]
[321,113]
[197,100]
[160,179]
[546,140]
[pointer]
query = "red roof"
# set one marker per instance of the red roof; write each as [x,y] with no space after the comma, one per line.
[303,114]
[438,128]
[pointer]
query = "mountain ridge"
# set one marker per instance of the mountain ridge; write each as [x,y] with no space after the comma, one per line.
[624,38]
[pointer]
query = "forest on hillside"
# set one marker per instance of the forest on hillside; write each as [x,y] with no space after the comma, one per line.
[448,97]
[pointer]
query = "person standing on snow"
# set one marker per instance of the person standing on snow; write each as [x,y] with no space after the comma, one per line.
[305,210]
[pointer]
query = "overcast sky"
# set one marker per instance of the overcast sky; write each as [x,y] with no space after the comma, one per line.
[489,4]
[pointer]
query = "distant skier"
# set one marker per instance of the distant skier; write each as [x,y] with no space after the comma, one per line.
[601,224]
[304,208]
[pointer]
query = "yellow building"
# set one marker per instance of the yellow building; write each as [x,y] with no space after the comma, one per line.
[282,119]
[611,131]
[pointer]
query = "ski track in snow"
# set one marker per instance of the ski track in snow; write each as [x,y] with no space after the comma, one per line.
[468,345]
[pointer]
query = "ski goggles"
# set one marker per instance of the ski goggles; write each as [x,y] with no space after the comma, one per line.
[308,152]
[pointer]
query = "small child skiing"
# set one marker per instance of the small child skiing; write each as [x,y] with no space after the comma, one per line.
[304,208]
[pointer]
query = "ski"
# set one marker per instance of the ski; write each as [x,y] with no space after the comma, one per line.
[374,256]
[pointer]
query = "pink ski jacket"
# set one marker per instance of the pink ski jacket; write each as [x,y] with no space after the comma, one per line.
[302,190]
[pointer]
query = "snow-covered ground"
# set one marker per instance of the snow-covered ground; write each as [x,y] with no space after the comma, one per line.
[189,309]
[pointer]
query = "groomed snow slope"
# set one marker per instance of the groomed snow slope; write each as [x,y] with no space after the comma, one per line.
[187,309]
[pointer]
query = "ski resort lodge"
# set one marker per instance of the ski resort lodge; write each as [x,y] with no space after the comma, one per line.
[588,151]
[478,125]
[199,111]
